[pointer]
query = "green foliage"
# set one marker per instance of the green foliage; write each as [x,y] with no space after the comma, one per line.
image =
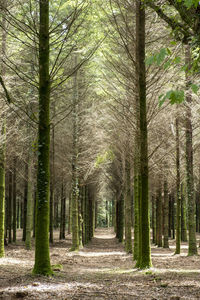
[57,267]
[195,88]
[175,96]
[190,3]
[163,57]
[103,158]
[158,58]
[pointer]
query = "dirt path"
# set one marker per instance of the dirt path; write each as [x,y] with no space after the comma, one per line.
[102,270]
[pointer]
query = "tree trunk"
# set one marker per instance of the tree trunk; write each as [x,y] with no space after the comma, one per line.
[173,216]
[29,215]
[178,192]
[153,219]
[2,191]
[183,215]
[52,187]
[166,214]
[80,217]
[137,189]
[21,214]
[10,207]
[14,199]
[128,205]
[144,260]
[69,213]
[62,213]
[3,143]
[34,211]
[42,259]
[159,217]
[25,201]
[18,214]
[121,218]
[170,218]
[192,249]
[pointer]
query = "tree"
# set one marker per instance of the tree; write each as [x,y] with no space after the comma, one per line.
[144,259]
[42,259]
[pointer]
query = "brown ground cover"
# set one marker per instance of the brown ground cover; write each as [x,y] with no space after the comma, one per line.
[101,270]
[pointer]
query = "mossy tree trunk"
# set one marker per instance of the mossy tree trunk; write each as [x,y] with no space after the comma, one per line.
[153,219]
[128,206]
[120,218]
[69,213]
[2,190]
[62,213]
[183,215]
[29,215]
[192,249]
[25,201]
[166,213]
[136,189]
[10,194]
[42,258]
[144,260]
[178,192]
[21,214]
[75,183]
[86,215]
[34,210]
[83,198]
[170,218]
[14,199]
[197,210]
[159,216]
[18,213]
[107,214]
[52,187]
[56,213]
[3,143]
[173,215]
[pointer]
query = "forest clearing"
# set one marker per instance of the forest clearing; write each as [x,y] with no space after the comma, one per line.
[99,149]
[101,270]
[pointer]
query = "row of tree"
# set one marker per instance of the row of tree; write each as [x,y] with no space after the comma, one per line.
[98,70]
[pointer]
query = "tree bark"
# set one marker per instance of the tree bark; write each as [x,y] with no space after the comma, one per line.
[144,260]
[14,199]
[42,259]
[29,215]
[178,192]
[128,205]
[159,217]
[183,215]
[192,249]
[25,201]
[10,206]
[166,214]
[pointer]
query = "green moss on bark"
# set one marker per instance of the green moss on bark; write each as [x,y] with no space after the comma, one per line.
[128,206]
[144,260]
[42,258]
[2,192]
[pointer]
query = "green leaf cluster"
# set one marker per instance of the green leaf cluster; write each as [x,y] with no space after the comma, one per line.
[175,96]
[158,58]
[103,158]
[190,3]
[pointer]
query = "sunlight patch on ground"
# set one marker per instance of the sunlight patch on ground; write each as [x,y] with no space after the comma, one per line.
[97,254]
[156,270]
[104,237]
[44,287]
[164,255]
[182,247]
[14,261]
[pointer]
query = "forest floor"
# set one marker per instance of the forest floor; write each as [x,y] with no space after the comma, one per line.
[101,270]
